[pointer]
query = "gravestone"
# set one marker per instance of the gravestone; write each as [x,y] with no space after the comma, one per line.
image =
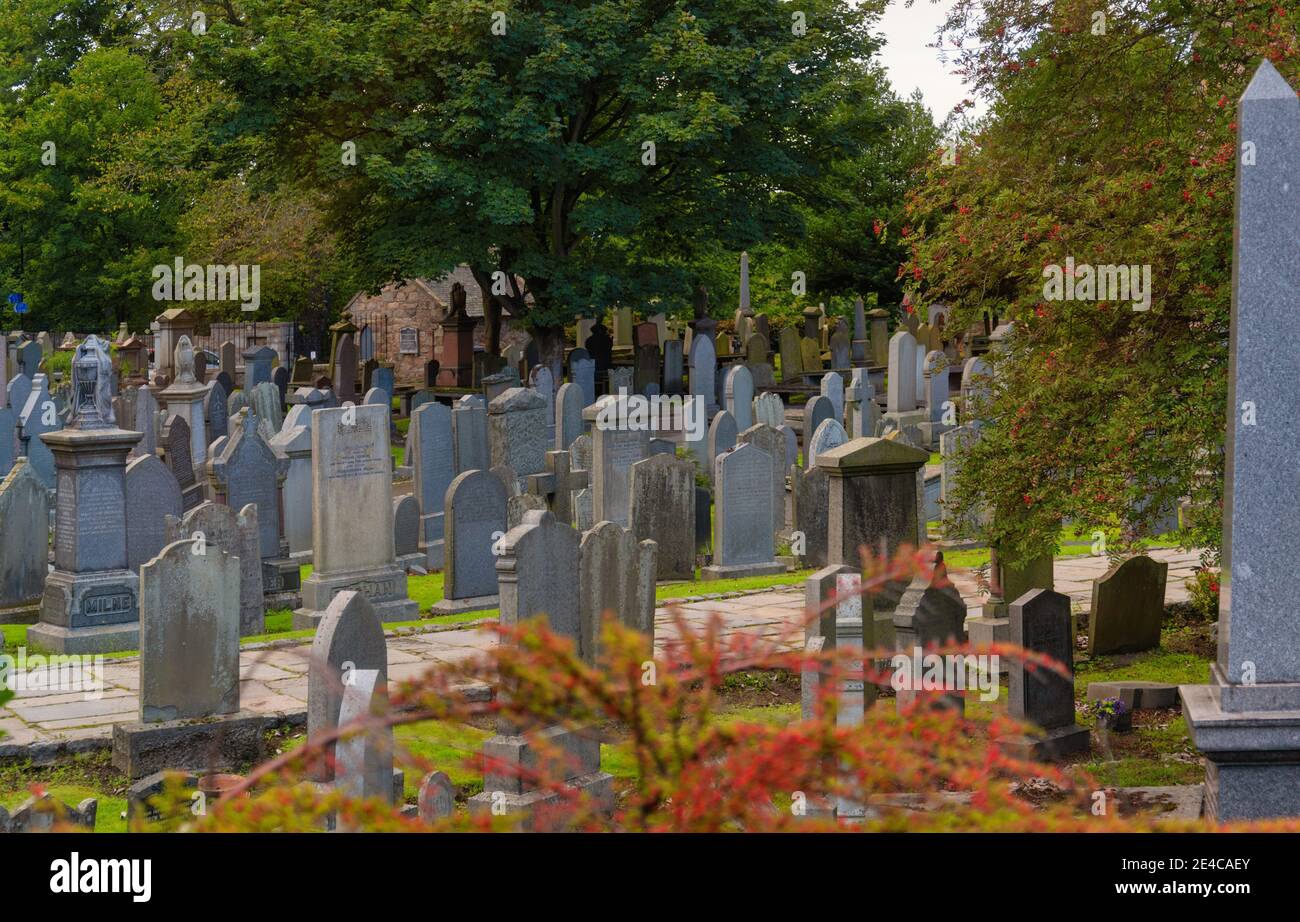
[810,356]
[743,543]
[535,574]
[614,449]
[344,370]
[543,382]
[841,349]
[769,409]
[437,798]
[723,433]
[902,373]
[433,463]
[152,494]
[469,434]
[189,633]
[674,377]
[215,412]
[258,361]
[1128,606]
[352,494]
[557,486]
[189,668]
[1247,721]
[663,510]
[406,533]
[930,613]
[39,418]
[568,415]
[1040,623]
[616,578]
[185,397]
[24,543]
[772,443]
[582,372]
[518,431]
[646,369]
[91,600]
[830,434]
[229,354]
[246,470]
[738,386]
[293,444]
[145,422]
[815,412]
[174,450]
[810,504]
[237,534]
[873,498]
[832,388]
[475,520]
[861,413]
[349,639]
[580,458]
[364,758]
[703,362]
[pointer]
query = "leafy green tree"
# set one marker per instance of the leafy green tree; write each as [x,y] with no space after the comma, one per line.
[1110,139]
[599,151]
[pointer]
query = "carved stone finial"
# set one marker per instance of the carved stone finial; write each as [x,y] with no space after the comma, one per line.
[92,399]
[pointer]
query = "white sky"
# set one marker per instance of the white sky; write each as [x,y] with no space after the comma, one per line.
[911,64]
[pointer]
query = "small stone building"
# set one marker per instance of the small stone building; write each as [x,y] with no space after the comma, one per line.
[404,319]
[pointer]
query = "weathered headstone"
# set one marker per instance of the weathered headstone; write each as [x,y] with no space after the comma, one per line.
[152,494]
[518,431]
[873,498]
[352,494]
[434,465]
[743,542]
[815,412]
[406,532]
[349,639]
[830,434]
[1128,606]
[772,443]
[663,510]
[739,389]
[24,543]
[469,434]
[475,520]
[616,577]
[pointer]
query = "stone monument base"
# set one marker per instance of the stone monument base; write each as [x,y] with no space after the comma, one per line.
[737,571]
[506,793]
[409,561]
[384,587]
[460,606]
[1049,746]
[214,743]
[106,638]
[92,612]
[1252,753]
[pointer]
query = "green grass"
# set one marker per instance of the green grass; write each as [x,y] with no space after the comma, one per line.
[108,813]
[1153,666]
[709,587]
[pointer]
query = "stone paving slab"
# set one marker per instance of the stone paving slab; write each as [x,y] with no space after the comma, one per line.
[273,680]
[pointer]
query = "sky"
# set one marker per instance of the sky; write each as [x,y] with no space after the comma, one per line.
[912,65]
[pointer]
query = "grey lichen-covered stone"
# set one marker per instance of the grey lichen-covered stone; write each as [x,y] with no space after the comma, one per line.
[152,494]
[237,534]
[663,511]
[873,498]
[519,431]
[189,633]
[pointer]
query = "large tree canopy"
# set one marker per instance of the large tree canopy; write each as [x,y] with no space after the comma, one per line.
[597,150]
[1110,140]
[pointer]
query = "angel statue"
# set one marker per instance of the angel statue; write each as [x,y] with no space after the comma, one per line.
[183,358]
[92,398]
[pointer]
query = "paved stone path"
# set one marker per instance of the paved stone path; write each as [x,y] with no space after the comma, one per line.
[43,724]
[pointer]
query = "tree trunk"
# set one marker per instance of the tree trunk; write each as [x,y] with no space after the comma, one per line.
[550,347]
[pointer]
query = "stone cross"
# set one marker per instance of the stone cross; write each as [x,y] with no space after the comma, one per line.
[558,484]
